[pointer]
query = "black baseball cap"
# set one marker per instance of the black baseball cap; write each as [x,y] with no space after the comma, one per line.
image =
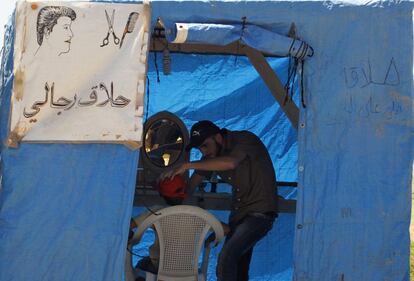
[200,131]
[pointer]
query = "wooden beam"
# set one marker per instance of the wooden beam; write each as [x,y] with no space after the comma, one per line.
[273,83]
[235,48]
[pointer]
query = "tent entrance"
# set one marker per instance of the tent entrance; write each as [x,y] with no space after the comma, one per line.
[149,171]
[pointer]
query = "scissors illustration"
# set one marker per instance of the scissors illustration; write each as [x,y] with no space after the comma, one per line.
[110,30]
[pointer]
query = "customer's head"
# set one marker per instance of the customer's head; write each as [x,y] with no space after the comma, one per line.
[173,190]
[206,137]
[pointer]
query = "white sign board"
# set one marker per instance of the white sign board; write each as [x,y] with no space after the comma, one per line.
[80,72]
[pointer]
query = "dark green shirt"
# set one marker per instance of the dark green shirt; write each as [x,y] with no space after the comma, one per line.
[253,180]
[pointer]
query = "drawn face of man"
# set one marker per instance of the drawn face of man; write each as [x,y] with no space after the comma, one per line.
[61,35]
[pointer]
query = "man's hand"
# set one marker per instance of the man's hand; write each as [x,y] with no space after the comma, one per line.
[226,228]
[212,236]
[130,235]
[173,172]
[132,226]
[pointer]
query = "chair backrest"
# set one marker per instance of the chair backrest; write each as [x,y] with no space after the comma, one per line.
[181,232]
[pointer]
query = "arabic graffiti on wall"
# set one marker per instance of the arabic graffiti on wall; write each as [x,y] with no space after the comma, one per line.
[361,76]
[368,103]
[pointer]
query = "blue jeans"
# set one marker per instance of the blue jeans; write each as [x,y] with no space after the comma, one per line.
[234,259]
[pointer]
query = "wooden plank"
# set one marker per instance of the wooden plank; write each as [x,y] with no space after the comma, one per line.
[159,44]
[273,83]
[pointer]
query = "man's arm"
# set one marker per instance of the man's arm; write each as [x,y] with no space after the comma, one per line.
[136,222]
[221,163]
[226,228]
[212,236]
[194,181]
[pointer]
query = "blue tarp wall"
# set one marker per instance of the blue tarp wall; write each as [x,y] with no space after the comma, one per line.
[64,208]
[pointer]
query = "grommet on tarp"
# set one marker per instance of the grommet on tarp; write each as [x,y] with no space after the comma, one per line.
[299,226]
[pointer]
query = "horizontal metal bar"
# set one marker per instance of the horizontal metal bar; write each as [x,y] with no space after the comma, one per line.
[146,197]
[278,183]
[287,183]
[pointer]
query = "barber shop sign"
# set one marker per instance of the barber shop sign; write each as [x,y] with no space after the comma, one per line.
[79,72]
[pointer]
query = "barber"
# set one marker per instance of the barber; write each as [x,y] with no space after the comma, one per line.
[241,160]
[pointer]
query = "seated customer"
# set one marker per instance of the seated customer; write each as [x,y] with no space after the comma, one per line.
[174,192]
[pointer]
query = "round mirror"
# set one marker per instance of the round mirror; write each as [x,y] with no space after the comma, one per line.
[163,143]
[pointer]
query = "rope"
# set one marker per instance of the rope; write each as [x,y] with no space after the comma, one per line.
[240,39]
[287,87]
[302,91]
[290,83]
[148,99]
[295,69]
[155,60]
[291,46]
[299,58]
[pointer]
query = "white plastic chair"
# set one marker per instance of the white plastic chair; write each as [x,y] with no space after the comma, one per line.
[181,231]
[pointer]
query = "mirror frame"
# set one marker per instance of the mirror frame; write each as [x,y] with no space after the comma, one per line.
[151,169]
[162,147]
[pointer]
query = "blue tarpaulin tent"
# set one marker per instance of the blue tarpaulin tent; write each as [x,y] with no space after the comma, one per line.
[65,208]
